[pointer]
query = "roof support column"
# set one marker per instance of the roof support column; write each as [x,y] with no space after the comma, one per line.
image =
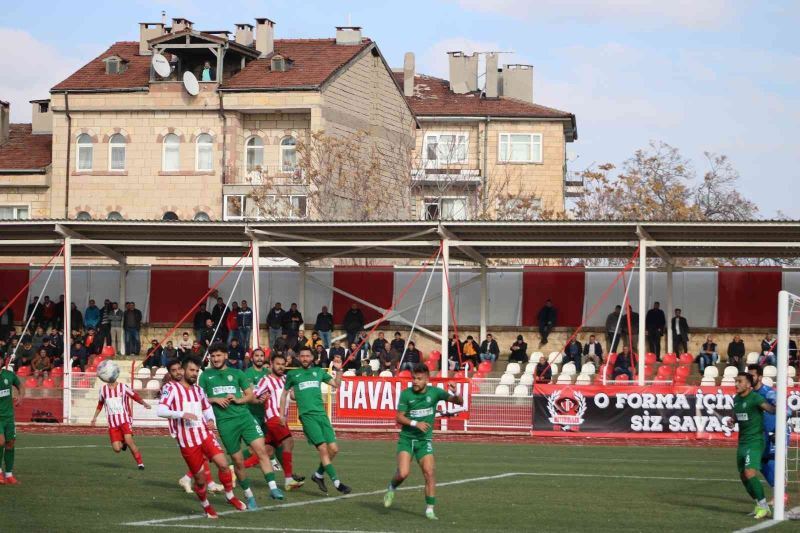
[123,297]
[642,307]
[255,341]
[67,408]
[445,307]
[301,289]
[670,305]
[484,301]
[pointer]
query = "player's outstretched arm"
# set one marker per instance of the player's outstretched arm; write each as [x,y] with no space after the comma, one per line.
[768,407]
[96,412]
[138,399]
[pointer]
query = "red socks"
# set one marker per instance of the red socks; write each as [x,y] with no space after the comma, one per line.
[201,491]
[251,461]
[226,478]
[287,463]
[137,457]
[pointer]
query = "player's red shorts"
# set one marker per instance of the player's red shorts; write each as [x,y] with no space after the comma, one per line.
[276,433]
[196,455]
[118,433]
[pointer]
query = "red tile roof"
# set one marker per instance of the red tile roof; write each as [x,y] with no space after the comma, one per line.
[312,62]
[93,74]
[433,97]
[24,150]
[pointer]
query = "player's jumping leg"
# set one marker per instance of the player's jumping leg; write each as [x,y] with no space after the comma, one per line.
[327,452]
[260,449]
[241,476]
[284,454]
[188,477]
[400,475]
[8,462]
[134,450]
[756,491]
[226,478]
[428,466]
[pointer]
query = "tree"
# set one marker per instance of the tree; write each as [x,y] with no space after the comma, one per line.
[716,197]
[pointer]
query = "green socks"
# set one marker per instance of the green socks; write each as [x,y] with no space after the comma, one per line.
[430,500]
[746,483]
[755,486]
[320,470]
[331,472]
[2,451]
[9,460]
[269,476]
[244,483]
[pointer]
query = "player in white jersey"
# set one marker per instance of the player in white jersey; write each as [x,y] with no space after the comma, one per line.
[192,423]
[173,377]
[116,398]
[269,390]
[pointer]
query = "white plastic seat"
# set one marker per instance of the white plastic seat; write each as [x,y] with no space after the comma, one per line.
[752,358]
[569,369]
[770,371]
[730,372]
[583,379]
[564,379]
[556,357]
[728,381]
[375,365]
[768,381]
[791,372]
[507,379]
[385,374]
[160,373]
[526,379]
[711,372]
[502,390]
[350,372]
[513,368]
[790,382]
[521,390]
[137,384]
[153,384]
[530,368]
[708,382]
[588,369]
[535,356]
[143,373]
[554,368]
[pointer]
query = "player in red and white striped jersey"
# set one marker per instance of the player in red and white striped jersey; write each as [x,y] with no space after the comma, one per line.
[116,398]
[172,377]
[269,390]
[192,423]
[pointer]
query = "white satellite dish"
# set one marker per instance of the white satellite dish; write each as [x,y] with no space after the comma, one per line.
[161,65]
[190,83]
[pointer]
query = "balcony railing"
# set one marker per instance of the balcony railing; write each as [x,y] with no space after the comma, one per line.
[463,176]
[573,185]
[266,174]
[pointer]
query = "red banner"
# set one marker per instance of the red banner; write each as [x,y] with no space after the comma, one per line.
[376,398]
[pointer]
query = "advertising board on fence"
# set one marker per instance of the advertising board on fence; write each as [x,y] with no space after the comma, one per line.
[650,411]
[376,398]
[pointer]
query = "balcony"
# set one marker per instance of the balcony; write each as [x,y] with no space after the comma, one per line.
[443,176]
[573,185]
[266,175]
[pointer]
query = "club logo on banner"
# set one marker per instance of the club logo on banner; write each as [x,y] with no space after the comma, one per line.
[567,411]
[374,397]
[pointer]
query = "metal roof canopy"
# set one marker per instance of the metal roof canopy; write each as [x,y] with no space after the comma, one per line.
[472,241]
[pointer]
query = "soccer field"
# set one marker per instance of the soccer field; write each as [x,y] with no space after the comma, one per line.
[76,483]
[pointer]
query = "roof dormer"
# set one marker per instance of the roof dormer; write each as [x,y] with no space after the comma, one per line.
[279,63]
[115,64]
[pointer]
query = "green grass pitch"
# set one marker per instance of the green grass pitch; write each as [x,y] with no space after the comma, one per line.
[76,483]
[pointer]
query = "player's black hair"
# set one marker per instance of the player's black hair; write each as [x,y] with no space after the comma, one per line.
[173,362]
[218,347]
[749,377]
[757,368]
[305,349]
[278,355]
[194,360]
[419,368]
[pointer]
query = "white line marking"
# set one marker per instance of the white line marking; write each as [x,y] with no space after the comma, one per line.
[758,527]
[253,528]
[157,522]
[82,446]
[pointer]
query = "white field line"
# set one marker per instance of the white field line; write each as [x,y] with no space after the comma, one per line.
[81,446]
[264,528]
[767,523]
[158,522]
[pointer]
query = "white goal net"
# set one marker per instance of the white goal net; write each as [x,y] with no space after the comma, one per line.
[787,415]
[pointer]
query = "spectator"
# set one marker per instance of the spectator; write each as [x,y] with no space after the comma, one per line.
[471,350]
[655,322]
[543,372]
[490,351]
[41,365]
[793,359]
[75,317]
[324,325]
[92,342]
[364,356]
[353,322]
[232,323]
[245,323]
[380,344]
[218,314]
[736,353]
[35,310]
[184,345]
[351,357]
[199,320]
[320,356]
[282,343]
[132,323]
[573,353]
[275,323]
[708,354]
[388,361]
[49,347]
[336,349]
[592,351]
[91,316]
[48,313]
[236,354]
[398,344]
[168,353]
[767,356]
[116,337]
[59,312]
[153,357]
[622,365]
[198,350]
[292,321]
[680,333]
[519,351]
[207,336]
[301,341]
[104,330]
[315,340]
[6,320]
[634,324]
[547,320]
[612,339]
[336,361]
[363,340]
[454,355]
[79,356]
[38,337]
[412,357]
[25,354]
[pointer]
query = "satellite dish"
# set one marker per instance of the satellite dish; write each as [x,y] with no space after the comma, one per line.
[190,83]
[161,65]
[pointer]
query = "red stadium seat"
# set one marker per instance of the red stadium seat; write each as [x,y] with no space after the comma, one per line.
[432,365]
[459,374]
[57,372]
[664,372]
[31,383]
[612,358]
[24,371]
[669,359]
[485,367]
[686,359]
[404,374]
[92,368]
[679,380]
[682,371]
[267,351]
[49,383]
[76,369]
[435,355]
[108,351]
[650,358]
[622,378]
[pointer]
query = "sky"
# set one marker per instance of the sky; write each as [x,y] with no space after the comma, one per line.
[705,76]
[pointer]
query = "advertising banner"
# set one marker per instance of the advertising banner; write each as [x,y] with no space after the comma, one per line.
[376,398]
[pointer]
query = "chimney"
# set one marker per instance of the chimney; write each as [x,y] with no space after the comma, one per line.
[147,31]
[244,34]
[41,117]
[348,35]
[409,72]
[265,36]
[180,24]
[491,89]
[5,114]
[518,82]
[463,72]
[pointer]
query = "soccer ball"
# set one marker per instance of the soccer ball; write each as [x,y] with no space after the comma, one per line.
[108,371]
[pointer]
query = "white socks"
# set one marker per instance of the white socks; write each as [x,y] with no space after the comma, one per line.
[248,492]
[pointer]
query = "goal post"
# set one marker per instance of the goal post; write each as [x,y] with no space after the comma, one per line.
[781,448]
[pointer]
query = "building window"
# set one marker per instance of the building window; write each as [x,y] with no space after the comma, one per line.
[448,208]
[85,152]
[205,152]
[520,148]
[169,215]
[202,216]
[254,154]
[445,148]
[115,65]
[298,206]
[44,107]
[83,215]
[116,152]
[171,159]
[14,212]
[288,154]
[115,215]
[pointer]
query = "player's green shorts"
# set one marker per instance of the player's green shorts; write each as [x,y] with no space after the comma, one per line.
[418,448]
[748,455]
[242,428]
[8,429]
[318,429]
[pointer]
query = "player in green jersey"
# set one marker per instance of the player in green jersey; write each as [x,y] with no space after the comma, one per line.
[258,369]
[8,431]
[306,384]
[229,392]
[748,406]
[416,413]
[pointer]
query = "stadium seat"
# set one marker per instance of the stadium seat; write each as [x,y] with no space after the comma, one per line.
[752,358]
[583,379]
[728,381]
[530,368]
[612,358]
[569,369]
[650,358]
[711,372]
[682,371]
[730,372]
[535,356]
[432,365]
[502,390]
[57,372]
[375,364]
[108,351]
[24,371]
[669,359]
[554,368]
[350,372]
[153,384]
[435,355]
[589,369]
[790,382]
[513,368]
[708,382]
[385,374]
[507,379]
[91,369]
[521,391]
[137,384]
[564,379]
[404,374]
[143,373]
[160,373]
[76,369]
[770,371]
[485,367]
[31,383]
[792,372]
[555,357]
[686,359]
[622,379]
[768,381]
[526,379]
[49,383]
